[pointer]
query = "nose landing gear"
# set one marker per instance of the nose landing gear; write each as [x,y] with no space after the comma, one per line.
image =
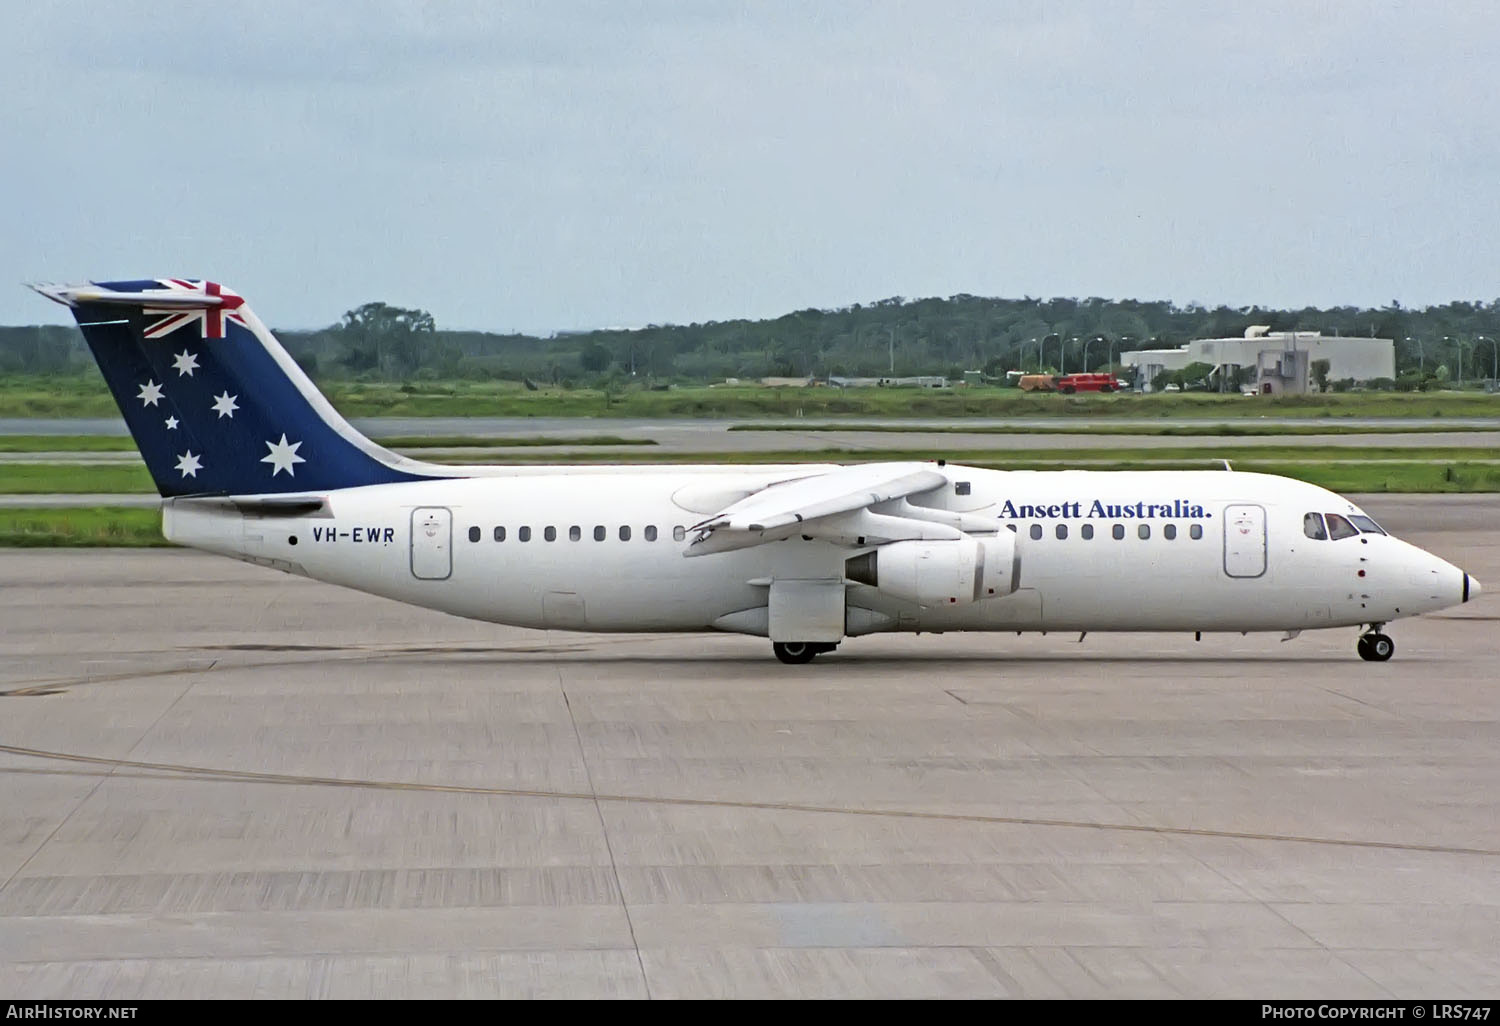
[1375,647]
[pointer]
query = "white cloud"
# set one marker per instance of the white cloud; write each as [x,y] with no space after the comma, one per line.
[553,166]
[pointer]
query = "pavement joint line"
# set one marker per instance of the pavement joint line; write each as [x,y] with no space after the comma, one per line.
[609,848]
[93,790]
[250,776]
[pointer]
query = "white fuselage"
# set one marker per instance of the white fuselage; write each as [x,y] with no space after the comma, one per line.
[1196,551]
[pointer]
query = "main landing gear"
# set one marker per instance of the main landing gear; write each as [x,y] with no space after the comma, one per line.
[795,652]
[1375,647]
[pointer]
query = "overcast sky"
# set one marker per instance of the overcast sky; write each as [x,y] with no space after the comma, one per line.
[536,167]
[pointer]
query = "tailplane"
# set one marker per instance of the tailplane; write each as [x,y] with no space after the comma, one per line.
[216,405]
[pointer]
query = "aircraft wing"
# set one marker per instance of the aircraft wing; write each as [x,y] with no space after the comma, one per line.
[833,505]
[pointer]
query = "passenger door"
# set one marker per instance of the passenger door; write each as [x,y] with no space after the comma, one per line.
[1245,541]
[431,543]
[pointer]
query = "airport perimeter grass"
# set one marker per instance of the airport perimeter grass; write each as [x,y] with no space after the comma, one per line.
[86,396]
[1175,431]
[81,527]
[1422,469]
[65,478]
[503,441]
[123,443]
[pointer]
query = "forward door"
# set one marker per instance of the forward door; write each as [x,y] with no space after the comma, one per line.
[1245,541]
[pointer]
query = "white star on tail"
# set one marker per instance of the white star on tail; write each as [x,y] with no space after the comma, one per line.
[150,393]
[171,423]
[189,464]
[185,363]
[225,404]
[283,456]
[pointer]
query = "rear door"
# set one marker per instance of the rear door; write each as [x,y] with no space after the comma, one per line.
[431,543]
[1245,541]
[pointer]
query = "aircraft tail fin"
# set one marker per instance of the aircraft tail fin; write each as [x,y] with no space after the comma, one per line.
[216,405]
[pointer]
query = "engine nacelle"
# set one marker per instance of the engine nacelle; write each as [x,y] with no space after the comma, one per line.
[941,573]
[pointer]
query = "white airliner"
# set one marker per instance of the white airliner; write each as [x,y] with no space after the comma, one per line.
[254,463]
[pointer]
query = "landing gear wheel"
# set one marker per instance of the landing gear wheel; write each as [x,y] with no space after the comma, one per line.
[796,652]
[1375,647]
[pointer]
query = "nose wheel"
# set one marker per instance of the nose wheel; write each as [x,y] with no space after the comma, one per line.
[1375,647]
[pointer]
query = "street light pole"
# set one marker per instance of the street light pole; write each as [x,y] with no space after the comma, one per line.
[1421,357]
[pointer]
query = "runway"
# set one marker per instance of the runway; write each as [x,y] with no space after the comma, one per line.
[226,782]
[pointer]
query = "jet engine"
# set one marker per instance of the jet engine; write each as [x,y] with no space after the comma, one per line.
[941,573]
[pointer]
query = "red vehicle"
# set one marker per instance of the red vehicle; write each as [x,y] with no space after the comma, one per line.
[1070,383]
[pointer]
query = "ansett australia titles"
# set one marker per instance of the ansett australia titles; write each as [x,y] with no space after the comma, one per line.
[1177,509]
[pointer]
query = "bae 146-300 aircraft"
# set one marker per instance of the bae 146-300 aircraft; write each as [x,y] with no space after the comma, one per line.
[252,462]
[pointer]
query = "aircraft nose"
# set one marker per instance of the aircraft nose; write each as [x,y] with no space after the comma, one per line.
[1471,588]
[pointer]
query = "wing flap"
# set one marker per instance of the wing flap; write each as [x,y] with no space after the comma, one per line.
[791,507]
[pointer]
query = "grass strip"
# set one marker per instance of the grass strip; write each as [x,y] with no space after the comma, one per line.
[1059,458]
[67,443]
[80,527]
[124,443]
[1179,431]
[503,441]
[86,396]
[1343,468]
[62,478]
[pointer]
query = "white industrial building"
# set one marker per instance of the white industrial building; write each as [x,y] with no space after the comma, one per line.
[1280,361]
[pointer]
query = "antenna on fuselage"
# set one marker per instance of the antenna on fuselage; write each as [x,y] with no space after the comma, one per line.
[1226,464]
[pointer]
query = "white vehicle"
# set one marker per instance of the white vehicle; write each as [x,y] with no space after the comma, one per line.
[254,463]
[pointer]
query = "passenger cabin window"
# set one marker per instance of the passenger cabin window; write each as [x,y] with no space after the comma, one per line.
[625,534]
[1143,532]
[549,533]
[499,534]
[1339,528]
[1062,532]
[651,532]
[524,534]
[1036,532]
[1118,531]
[679,532]
[473,534]
[1312,526]
[1169,532]
[1366,525]
[1195,532]
[599,532]
[1087,530]
[575,532]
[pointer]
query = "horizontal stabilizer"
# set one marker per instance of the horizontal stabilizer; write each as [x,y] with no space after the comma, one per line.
[179,299]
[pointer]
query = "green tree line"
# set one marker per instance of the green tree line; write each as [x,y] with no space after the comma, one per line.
[377,341]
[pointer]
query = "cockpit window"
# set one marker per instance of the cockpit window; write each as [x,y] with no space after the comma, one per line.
[1312,526]
[1338,527]
[1366,525]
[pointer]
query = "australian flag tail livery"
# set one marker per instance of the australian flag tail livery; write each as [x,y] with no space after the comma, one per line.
[216,405]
